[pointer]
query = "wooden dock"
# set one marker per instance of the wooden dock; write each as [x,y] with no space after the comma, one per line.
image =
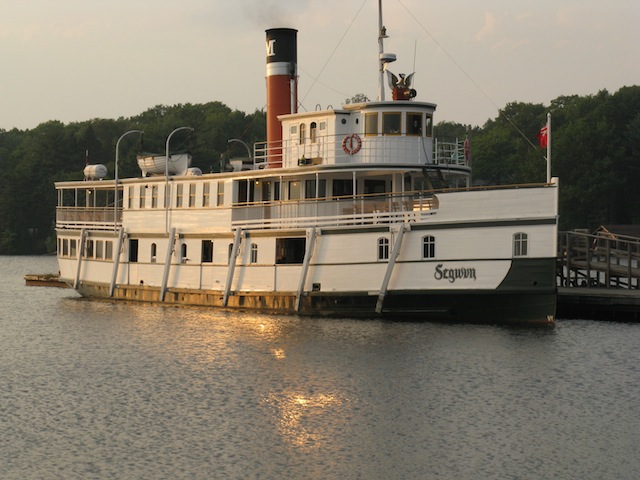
[598,276]
[598,303]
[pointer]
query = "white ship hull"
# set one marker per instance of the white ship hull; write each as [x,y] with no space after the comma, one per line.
[472,276]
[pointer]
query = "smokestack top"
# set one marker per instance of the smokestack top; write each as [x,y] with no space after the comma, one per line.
[282,45]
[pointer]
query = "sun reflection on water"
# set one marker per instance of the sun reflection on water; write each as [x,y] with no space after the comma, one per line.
[305,421]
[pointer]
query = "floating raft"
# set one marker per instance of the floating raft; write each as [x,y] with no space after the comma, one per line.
[44,280]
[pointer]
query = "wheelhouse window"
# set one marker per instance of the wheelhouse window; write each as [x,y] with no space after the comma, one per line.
[428,247]
[100,249]
[371,124]
[391,123]
[428,132]
[414,123]
[207,251]
[108,250]
[143,196]
[130,197]
[383,249]
[520,244]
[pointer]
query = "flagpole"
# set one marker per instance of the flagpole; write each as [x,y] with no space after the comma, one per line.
[548,147]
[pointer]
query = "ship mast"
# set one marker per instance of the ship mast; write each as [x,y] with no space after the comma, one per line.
[384,58]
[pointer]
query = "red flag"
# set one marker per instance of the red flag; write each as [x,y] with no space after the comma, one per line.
[542,137]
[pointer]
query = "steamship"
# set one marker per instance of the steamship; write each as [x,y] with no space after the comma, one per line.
[352,212]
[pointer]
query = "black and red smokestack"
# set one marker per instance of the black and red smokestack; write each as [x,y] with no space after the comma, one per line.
[282,86]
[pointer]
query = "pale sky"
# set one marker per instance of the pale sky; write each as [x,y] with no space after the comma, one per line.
[75,60]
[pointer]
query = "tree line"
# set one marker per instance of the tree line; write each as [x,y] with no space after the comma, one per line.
[595,153]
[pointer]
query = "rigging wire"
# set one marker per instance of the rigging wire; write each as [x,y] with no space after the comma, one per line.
[315,79]
[453,60]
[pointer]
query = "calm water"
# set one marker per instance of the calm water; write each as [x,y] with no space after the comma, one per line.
[113,391]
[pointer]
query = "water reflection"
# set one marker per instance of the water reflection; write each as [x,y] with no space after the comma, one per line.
[306,421]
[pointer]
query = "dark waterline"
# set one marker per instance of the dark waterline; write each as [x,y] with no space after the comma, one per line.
[110,390]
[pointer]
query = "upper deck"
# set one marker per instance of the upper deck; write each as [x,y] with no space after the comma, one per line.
[399,132]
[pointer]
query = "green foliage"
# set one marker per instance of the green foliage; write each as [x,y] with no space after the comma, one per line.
[595,152]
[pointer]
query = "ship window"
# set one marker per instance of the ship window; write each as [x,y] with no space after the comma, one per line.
[89,249]
[192,195]
[143,195]
[414,124]
[290,250]
[293,130]
[154,196]
[294,190]
[383,249]
[323,125]
[313,132]
[374,186]
[183,253]
[245,191]
[65,247]
[428,246]
[266,191]
[254,253]
[108,251]
[428,132]
[207,251]
[179,195]
[371,124]
[220,198]
[206,194]
[154,252]
[72,248]
[133,250]
[520,244]
[130,197]
[303,133]
[342,188]
[99,249]
[391,123]
[310,188]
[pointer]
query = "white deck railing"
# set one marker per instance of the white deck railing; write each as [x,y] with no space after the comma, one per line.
[340,211]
